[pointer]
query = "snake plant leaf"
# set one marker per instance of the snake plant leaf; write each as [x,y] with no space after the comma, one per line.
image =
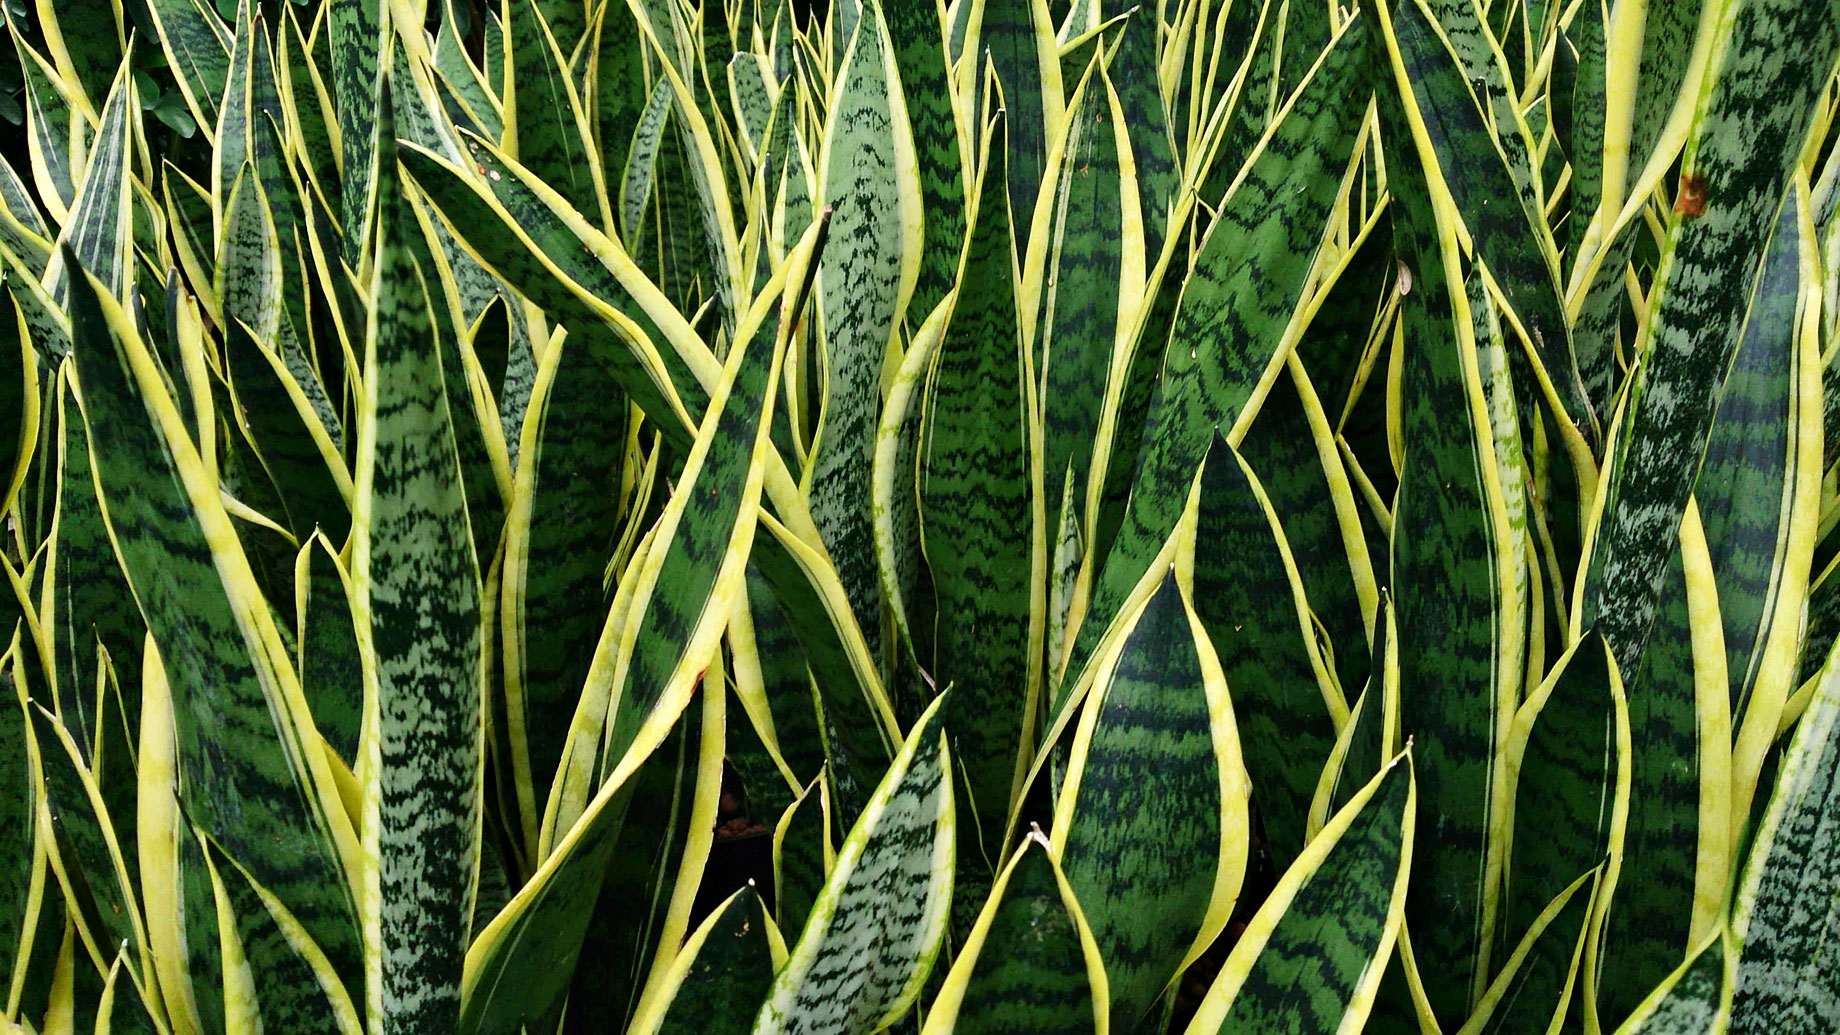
[1133,71]
[976,511]
[250,776]
[1756,104]
[1029,963]
[727,962]
[1371,735]
[919,50]
[100,226]
[197,49]
[1785,916]
[1539,980]
[1506,236]
[87,610]
[1696,999]
[1569,757]
[305,101]
[545,127]
[1764,445]
[357,30]
[877,926]
[1460,610]
[19,854]
[516,233]
[682,590]
[1230,328]
[559,540]
[49,130]
[1291,448]
[299,992]
[785,680]
[618,90]
[1151,822]
[512,979]
[1018,37]
[643,914]
[331,673]
[1311,958]
[1085,298]
[641,164]
[416,589]
[1676,840]
[1251,602]
[869,182]
[19,403]
[752,100]
[802,854]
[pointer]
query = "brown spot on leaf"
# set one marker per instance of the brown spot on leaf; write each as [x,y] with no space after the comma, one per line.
[1691,201]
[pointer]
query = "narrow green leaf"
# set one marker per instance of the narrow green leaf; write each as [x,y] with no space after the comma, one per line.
[1312,957]
[1786,913]
[250,776]
[725,965]
[1752,115]
[197,48]
[417,589]
[545,128]
[1229,331]
[1251,601]
[1029,964]
[976,513]
[1695,999]
[864,284]
[100,228]
[878,924]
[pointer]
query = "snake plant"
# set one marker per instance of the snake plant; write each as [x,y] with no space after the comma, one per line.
[550,517]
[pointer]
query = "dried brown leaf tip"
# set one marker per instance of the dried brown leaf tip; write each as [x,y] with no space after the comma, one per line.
[1691,200]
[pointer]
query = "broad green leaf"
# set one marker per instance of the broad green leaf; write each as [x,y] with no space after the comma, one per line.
[251,772]
[530,239]
[802,853]
[1786,914]
[1311,958]
[1016,37]
[1472,166]
[1569,761]
[1029,964]
[331,671]
[877,926]
[505,982]
[1747,124]
[976,514]
[416,590]
[297,991]
[1151,821]
[23,862]
[86,606]
[868,274]
[1250,599]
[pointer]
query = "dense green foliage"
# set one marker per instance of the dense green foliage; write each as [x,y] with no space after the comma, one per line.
[1009,516]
